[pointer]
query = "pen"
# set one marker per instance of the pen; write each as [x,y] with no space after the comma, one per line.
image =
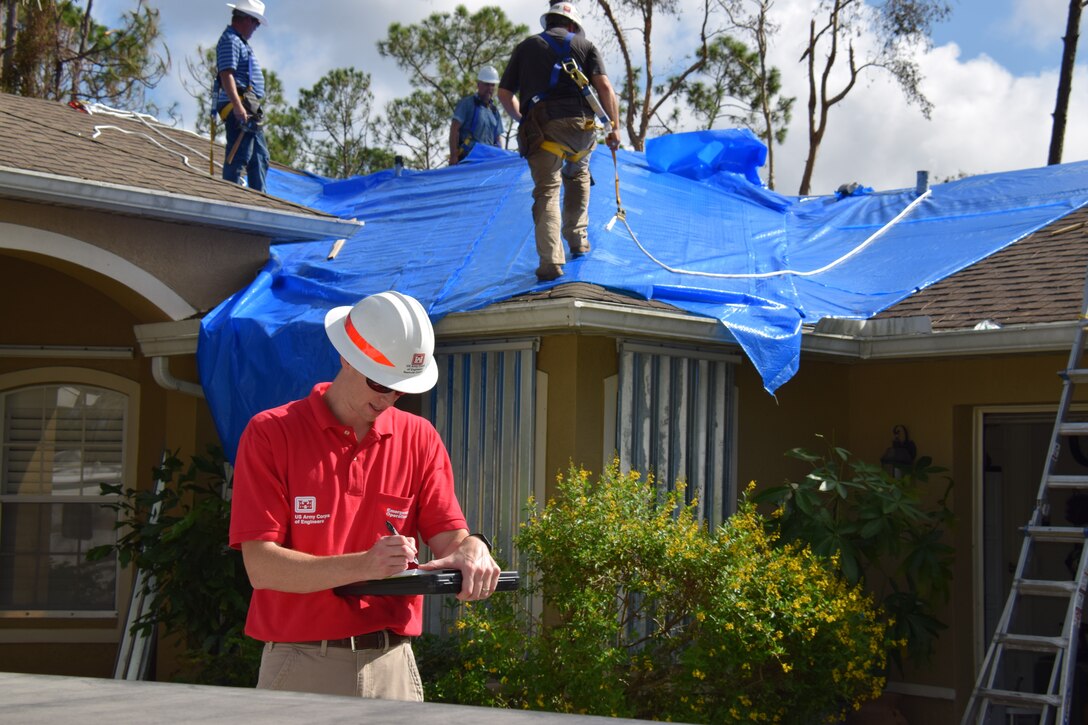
[394,532]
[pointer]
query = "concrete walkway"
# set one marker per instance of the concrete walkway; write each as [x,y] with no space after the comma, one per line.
[87,701]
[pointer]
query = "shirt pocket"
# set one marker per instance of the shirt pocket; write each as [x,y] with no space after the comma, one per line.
[395,511]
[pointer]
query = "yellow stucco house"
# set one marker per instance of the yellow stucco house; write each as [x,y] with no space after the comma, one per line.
[115,239]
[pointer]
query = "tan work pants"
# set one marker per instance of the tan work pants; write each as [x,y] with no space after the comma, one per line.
[385,674]
[550,172]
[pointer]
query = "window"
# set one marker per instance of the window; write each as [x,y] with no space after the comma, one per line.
[60,441]
[484,408]
[674,416]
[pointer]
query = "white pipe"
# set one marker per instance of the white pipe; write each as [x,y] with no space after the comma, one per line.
[160,370]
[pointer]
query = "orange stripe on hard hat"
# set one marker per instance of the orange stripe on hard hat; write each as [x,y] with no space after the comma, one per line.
[365,347]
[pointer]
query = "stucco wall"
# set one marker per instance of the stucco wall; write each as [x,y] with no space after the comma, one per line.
[203,265]
[46,306]
[856,404]
[577,367]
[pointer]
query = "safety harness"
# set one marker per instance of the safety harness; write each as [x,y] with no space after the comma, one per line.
[566,63]
[469,139]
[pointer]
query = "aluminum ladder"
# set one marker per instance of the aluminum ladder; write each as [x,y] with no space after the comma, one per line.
[1047,645]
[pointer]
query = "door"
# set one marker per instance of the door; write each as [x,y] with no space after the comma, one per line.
[1014,450]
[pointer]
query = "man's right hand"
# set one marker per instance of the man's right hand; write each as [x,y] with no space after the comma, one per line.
[390,555]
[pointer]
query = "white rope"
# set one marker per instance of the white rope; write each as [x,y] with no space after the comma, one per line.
[780,272]
[185,159]
[146,120]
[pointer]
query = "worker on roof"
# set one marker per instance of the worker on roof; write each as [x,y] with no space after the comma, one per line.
[558,128]
[239,91]
[477,117]
[339,487]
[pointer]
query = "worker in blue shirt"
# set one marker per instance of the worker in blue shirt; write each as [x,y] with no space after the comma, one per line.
[476,118]
[239,90]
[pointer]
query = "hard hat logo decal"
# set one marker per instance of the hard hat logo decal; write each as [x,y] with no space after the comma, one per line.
[365,347]
[419,359]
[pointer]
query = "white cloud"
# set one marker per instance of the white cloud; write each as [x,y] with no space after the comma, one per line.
[1039,23]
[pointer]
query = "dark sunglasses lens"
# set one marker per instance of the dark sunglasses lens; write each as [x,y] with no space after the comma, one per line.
[378,387]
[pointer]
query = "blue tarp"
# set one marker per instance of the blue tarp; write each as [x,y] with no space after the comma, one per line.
[700,233]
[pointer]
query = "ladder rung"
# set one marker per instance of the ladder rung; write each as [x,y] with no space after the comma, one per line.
[1073,429]
[1031,642]
[1078,375]
[1056,533]
[1010,697]
[1047,587]
[1078,482]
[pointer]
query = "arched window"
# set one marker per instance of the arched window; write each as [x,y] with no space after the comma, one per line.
[61,442]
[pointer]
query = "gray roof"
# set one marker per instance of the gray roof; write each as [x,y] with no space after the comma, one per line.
[92,157]
[51,137]
[1038,279]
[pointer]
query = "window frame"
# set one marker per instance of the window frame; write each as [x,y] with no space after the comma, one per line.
[12,382]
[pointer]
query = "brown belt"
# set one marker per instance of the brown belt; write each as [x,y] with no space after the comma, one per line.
[370,640]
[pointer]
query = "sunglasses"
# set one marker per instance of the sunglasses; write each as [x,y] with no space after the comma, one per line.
[381,389]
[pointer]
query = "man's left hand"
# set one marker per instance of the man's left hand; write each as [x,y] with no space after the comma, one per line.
[479,572]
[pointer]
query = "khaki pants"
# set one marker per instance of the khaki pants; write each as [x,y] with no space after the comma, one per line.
[549,173]
[385,674]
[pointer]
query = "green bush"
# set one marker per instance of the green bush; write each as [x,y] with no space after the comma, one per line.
[880,531]
[197,586]
[650,615]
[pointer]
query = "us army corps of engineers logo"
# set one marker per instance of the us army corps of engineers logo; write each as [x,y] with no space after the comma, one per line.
[306,511]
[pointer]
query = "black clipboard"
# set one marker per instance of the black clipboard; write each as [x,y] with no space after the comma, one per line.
[418,581]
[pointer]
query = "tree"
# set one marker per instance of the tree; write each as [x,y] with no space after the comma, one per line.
[1065,80]
[643,100]
[57,51]
[899,26]
[442,55]
[751,17]
[198,85]
[336,115]
[284,131]
[739,89]
[420,124]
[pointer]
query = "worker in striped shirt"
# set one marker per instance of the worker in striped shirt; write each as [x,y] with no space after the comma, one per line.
[239,90]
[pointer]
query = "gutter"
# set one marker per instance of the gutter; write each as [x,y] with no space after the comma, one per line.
[102,196]
[602,317]
[575,314]
[521,318]
[1042,337]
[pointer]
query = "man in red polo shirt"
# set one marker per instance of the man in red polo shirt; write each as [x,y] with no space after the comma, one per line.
[321,482]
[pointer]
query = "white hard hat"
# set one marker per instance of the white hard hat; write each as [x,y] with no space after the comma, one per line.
[488,74]
[254,8]
[387,337]
[566,10]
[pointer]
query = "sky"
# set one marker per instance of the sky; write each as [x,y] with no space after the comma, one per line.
[991,74]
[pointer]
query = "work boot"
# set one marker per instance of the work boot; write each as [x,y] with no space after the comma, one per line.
[547,271]
[580,251]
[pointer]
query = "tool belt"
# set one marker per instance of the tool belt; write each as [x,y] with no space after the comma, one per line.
[250,102]
[531,136]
